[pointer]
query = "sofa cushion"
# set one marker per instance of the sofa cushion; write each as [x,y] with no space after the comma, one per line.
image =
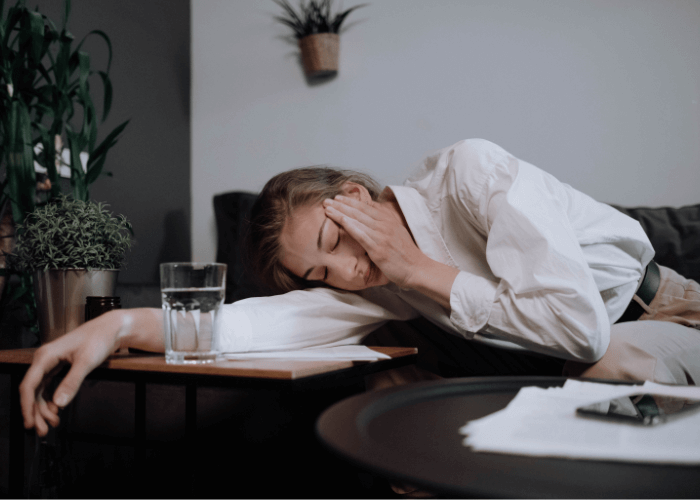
[232,212]
[675,235]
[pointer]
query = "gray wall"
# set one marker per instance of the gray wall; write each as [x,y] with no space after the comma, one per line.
[151,162]
[602,93]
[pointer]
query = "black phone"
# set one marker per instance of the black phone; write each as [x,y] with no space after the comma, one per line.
[641,408]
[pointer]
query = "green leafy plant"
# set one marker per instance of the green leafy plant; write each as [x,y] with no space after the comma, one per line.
[69,233]
[314,17]
[44,90]
[46,100]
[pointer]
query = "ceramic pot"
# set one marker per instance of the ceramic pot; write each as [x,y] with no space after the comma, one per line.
[60,297]
[319,54]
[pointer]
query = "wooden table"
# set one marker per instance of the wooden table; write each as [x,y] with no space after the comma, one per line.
[144,368]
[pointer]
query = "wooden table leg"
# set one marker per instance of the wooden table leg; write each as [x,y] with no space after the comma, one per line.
[191,435]
[140,429]
[16,452]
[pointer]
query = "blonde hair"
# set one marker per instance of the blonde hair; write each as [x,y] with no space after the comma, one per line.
[279,198]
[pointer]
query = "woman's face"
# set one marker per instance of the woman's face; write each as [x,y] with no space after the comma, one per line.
[316,248]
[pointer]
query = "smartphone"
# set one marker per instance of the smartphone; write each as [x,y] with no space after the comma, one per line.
[641,408]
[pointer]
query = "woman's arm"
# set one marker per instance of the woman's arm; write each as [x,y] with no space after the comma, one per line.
[84,349]
[546,298]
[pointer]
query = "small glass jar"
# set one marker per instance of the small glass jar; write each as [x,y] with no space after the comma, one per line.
[94,306]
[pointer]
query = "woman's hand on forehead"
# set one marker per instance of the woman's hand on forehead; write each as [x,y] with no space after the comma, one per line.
[380,230]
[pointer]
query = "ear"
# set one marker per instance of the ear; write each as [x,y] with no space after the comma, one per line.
[356,191]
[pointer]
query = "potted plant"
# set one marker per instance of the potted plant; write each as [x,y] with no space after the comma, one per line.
[316,30]
[74,249]
[46,101]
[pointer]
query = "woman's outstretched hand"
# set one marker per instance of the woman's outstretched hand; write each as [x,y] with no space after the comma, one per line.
[380,230]
[83,349]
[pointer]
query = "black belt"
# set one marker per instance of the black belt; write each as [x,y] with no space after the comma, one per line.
[647,291]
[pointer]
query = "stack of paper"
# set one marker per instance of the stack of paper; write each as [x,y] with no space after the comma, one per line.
[543,422]
[344,352]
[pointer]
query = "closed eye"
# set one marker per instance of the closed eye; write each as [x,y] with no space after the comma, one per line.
[338,240]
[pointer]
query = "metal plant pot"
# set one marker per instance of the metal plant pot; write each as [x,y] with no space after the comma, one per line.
[60,297]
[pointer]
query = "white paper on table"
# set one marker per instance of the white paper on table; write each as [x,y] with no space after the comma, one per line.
[543,422]
[345,352]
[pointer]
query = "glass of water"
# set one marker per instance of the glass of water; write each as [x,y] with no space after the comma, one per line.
[192,294]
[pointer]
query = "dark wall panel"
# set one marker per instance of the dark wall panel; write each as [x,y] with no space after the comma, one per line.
[151,163]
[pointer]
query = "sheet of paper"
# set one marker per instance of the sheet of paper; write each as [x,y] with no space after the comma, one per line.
[543,422]
[345,352]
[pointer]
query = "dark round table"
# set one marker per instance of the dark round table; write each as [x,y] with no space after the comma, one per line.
[410,435]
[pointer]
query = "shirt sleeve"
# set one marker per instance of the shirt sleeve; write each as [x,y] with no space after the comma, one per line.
[545,298]
[307,318]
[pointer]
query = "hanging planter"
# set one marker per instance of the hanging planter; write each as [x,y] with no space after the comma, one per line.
[319,54]
[316,30]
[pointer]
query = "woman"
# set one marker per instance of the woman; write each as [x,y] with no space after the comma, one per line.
[487,247]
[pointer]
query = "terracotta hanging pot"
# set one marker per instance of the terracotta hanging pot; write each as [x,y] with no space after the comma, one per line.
[319,54]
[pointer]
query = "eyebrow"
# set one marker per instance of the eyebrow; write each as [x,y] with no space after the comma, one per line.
[318,245]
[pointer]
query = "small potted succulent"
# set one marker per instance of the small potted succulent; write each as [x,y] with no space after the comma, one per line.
[316,30]
[74,249]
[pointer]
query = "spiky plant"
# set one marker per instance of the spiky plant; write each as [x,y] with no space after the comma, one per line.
[69,233]
[314,17]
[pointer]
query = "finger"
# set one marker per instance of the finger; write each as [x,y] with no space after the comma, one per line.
[32,383]
[368,207]
[50,416]
[69,386]
[354,202]
[368,214]
[356,229]
[42,428]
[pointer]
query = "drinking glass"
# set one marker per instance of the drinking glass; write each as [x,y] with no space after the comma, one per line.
[192,294]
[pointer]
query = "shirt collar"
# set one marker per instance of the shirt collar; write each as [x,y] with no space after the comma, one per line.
[422,225]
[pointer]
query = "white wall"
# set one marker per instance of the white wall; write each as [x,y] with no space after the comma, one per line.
[603,94]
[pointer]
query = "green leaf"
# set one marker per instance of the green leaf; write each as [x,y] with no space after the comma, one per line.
[66,13]
[77,177]
[36,27]
[107,105]
[61,66]
[94,169]
[341,17]
[107,143]
[14,15]
[92,124]
[84,62]
[104,36]
[18,292]
[20,167]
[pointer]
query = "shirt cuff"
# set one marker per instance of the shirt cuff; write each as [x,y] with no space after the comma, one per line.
[235,330]
[471,300]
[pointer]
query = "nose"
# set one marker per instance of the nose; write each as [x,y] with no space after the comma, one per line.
[348,260]
[347,267]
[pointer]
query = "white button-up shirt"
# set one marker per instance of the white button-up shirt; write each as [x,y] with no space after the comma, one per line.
[543,267]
